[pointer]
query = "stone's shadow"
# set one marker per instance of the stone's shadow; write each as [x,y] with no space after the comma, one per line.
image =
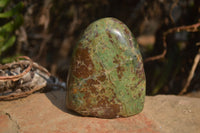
[57,98]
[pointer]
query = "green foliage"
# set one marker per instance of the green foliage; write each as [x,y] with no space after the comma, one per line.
[10,20]
[171,66]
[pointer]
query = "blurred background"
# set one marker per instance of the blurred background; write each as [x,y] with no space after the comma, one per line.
[47,31]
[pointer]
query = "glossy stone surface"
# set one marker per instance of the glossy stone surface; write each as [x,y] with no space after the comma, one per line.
[106,77]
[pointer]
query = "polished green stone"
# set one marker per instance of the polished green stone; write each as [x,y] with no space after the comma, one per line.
[106,76]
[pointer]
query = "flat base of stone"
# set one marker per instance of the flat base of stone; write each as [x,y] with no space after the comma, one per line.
[47,113]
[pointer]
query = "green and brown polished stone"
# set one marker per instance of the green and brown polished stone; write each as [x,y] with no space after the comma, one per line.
[106,77]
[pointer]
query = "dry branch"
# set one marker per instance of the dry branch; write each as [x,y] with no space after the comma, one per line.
[189,28]
[196,61]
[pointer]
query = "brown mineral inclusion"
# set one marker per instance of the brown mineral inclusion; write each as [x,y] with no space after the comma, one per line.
[106,77]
